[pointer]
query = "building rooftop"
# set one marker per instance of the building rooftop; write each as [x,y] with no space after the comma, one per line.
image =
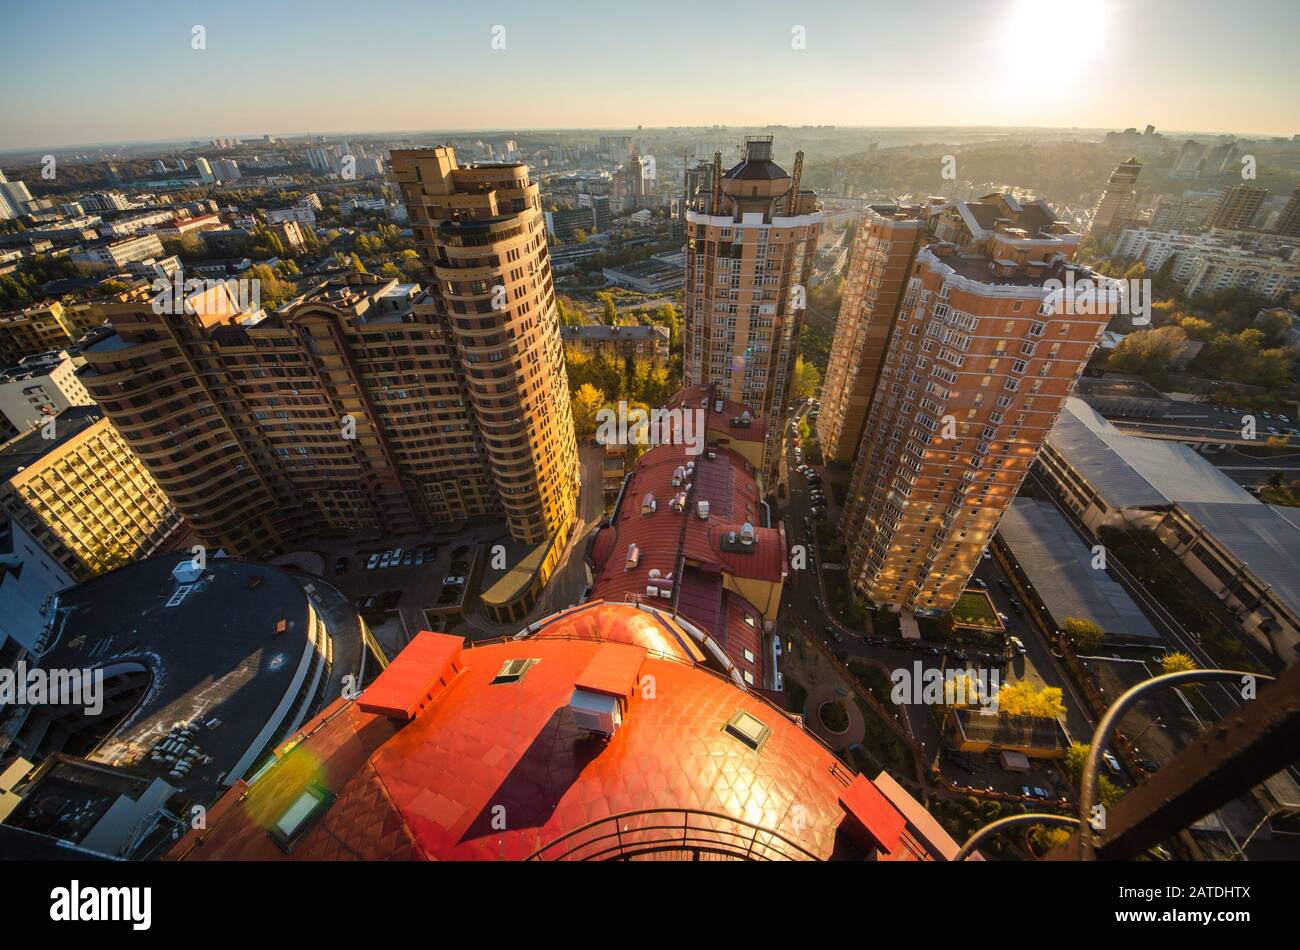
[601,331]
[493,764]
[1059,565]
[1132,472]
[1264,537]
[221,653]
[24,450]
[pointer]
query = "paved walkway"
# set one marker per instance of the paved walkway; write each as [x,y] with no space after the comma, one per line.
[857,729]
[907,622]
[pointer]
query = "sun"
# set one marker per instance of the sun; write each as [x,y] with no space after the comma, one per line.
[1072,31]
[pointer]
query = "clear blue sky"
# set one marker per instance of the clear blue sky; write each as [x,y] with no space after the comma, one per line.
[88,71]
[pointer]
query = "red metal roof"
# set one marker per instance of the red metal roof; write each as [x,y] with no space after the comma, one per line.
[874,814]
[501,771]
[412,680]
[613,670]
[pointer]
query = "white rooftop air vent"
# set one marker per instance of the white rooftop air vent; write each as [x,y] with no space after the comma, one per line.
[648,504]
[655,573]
[595,712]
[717,405]
[712,456]
[186,572]
[651,590]
[702,509]
[745,417]
[678,474]
[666,592]
[747,533]
[633,556]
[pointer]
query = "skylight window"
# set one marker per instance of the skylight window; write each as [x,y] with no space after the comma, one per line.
[512,671]
[293,823]
[748,729]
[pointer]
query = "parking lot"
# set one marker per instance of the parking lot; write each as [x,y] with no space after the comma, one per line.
[423,576]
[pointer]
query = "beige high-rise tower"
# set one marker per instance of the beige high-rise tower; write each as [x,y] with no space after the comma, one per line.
[750,245]
[482,236]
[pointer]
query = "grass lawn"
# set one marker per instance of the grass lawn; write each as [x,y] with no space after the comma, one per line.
[974,609]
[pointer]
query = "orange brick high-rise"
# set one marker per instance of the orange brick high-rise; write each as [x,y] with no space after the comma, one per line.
[977,362]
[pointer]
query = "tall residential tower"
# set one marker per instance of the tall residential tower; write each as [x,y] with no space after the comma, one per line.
[966,376]
[750,245]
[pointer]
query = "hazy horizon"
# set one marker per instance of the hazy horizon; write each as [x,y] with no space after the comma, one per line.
[133,77]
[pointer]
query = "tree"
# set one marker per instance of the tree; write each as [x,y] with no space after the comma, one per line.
[1085,634]
[1108,793]
[1023,698]
[807,380]
[611,311]
[586,402]
[357,266]
[1148,352]
[1177,663]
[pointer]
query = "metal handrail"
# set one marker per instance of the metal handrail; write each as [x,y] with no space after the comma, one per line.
[745,834]
[1088,782]
[996,827]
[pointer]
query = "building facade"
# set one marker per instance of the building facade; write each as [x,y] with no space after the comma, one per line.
[76,488]
[887,242]
[1236,207]
[979,359]
[750,247]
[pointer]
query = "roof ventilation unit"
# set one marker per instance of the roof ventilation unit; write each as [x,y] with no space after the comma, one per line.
[600,693]
[633,556]
[648,504]
[702,509]
[678,474]
[747,533]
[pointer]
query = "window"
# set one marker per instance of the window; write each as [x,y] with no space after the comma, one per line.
[750,730]
[512,671]
[297,818]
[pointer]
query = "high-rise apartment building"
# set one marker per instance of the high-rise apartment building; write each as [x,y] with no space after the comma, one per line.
[482,236]
[977,361]
[342,414]
[887,241]
[75,487]
[1236,207]
[1119,201]
[750,246]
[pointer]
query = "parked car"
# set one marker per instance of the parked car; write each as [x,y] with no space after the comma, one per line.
[373,562]
[1004,585]
[980,583]
[341,565]
[830,629]
[988,555]
[1019,645]
[386,560]
[453,580]
[1016,605]
[1112,763]
[409,559]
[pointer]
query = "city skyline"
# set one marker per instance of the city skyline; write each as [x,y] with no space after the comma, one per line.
[814,72]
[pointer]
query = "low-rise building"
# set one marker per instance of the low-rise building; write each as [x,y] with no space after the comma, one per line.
[39,387]
[115,255]
[620,342]
[647,277]
[1246,552]
[77,488]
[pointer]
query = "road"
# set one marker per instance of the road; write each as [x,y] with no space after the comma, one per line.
[1201,422]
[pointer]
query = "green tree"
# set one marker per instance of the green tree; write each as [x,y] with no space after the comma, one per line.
[1148,352]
